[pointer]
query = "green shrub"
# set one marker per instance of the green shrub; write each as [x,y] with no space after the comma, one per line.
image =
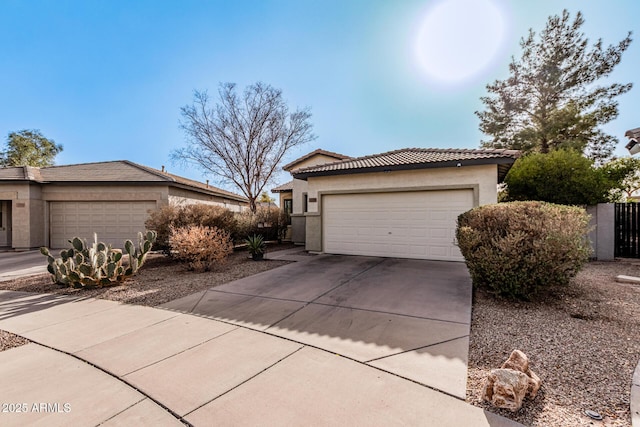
[97,265]
[562,176]
[202,248]
[521,249]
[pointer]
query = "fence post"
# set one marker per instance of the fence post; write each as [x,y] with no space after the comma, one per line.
[604,233]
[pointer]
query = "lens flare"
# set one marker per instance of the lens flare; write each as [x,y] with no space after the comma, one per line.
[459,39]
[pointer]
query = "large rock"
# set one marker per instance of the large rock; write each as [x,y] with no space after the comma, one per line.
[520,362]
[507,387]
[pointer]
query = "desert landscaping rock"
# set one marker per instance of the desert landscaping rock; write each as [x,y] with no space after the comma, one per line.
[582,341]
[519,361]
[507,387]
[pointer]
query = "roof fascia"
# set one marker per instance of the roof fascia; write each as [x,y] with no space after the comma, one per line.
[413,166]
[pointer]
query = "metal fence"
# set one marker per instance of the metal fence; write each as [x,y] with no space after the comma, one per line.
[627,227]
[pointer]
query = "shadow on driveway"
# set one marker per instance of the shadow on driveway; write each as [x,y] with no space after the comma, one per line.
[409,317]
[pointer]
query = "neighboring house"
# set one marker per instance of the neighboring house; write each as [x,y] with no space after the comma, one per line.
[48,206]
[402,203]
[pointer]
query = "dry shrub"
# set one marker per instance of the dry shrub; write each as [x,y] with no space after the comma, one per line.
[521,249]
[202,248]
[161,220]
[270,222]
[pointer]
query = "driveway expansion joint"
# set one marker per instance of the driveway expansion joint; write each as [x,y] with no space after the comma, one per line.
[247,380]
[122,380]
[415,349]
[328,292]
[390,313]
[181,351]
[248,295]
[330,352]
[124,410]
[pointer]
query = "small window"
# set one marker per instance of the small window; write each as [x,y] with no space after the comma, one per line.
[305,201]
[288,206]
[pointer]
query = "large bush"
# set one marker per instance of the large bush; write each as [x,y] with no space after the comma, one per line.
[521,249]
[176,216]
[201,248]
[271,222]
[562,176]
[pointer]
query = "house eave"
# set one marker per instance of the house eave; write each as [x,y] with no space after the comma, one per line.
[504,164]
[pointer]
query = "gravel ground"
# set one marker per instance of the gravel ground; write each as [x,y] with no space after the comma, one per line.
[159,281]
[9,340]
[583,341]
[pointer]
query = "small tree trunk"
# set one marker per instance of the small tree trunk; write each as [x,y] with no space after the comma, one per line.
[252,205]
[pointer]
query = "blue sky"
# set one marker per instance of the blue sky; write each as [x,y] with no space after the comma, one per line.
[107,78]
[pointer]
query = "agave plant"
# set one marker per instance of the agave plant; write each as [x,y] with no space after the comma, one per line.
[256,246]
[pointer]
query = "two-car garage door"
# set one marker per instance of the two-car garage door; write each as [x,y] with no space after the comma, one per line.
[410,224]
[114,222]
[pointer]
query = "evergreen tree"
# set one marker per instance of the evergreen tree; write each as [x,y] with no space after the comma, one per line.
[552,98]
[29,148]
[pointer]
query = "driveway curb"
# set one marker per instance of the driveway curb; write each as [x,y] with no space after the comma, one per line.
[635,397]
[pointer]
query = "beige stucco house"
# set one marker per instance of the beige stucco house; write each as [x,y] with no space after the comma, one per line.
[296,230]
[402,203]
[48,206]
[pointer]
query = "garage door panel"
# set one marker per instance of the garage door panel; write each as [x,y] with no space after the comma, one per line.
[402,224]
[114,222]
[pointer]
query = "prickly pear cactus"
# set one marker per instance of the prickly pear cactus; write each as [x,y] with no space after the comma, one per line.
[99,264]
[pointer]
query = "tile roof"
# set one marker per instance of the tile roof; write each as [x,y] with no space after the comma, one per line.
[114,171]
[119,171]
[336,156]
[283,188]
[13,173]
[411,158]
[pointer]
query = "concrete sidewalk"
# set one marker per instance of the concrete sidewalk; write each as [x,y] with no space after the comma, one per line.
[204,371]
[18,264]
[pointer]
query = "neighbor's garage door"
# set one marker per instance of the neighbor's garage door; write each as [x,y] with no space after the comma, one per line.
[113,221]
[418,224]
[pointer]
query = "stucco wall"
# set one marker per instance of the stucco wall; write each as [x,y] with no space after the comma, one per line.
[29,203]
[22,222]
[602,233]
[317,159]
[483,179]
[88,193]
[299,189]
[180,196]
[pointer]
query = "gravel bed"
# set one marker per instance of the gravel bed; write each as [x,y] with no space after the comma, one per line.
[583,341]
[160,280]
[9,340]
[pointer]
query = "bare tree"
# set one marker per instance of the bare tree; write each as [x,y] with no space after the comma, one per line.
[242,139]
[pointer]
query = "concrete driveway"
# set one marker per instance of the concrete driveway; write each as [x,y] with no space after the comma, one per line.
[407,317]
[16,264]
[329,340]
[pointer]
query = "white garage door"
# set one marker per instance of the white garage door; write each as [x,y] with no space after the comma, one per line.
[418,224]
[113,221]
